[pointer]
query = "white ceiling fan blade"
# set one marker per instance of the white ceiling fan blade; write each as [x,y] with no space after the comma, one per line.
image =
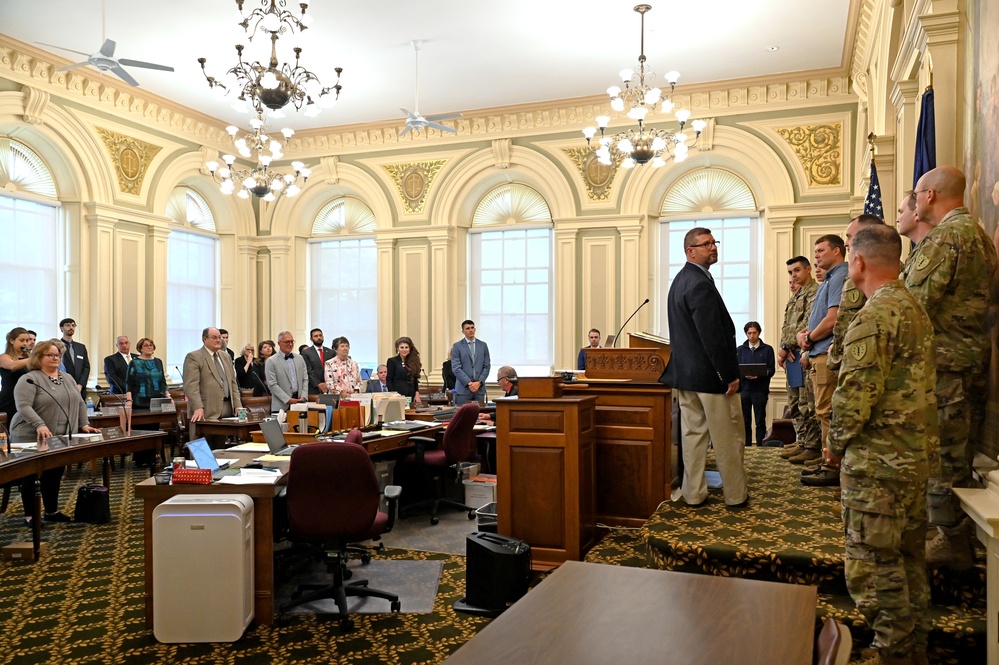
[444,116]
[107,48]
[63,48]
[408,113]
[73,66]
[443,128]
[123,75]
[145,65]
[405,130]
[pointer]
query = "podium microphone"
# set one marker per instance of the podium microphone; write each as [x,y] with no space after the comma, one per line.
[618,335]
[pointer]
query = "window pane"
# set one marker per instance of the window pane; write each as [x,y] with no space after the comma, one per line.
[191,292]
[344,295]
[28,266]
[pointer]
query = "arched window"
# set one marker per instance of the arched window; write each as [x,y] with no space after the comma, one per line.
[510,278]
[192,273]
[344,277]
[30,247]
[722,202]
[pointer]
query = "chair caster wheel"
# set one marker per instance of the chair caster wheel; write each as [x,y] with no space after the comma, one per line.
[396,606]
[365,559]
[346,625]
[471,514]
[347,573]
[434,520]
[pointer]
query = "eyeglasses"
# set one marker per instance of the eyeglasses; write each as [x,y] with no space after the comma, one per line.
[920,191]
[710,243]
[52,355]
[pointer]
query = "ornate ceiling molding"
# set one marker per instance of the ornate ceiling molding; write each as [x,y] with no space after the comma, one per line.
[413,180]
[131,158]
[598,178]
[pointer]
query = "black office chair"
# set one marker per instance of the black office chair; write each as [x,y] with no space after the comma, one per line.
[333,499]
[459,445]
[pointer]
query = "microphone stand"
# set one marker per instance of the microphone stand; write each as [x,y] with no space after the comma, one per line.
[621,329]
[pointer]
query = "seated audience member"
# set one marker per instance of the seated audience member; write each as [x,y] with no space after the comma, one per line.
[379,385]
[755,390]
[594,337]
[343,376]
[116,365]
[404,369]
[506,377]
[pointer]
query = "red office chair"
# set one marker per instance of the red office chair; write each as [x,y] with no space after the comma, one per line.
[333,499]
[459,446]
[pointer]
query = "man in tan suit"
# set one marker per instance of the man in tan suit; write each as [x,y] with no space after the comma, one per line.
[210,380]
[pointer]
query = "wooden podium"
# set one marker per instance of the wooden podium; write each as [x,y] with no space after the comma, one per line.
[633,428]
[545,470]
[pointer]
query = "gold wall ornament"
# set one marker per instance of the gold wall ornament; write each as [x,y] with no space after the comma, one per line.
[413,181]
[131,158]
[597,177]
[819,149]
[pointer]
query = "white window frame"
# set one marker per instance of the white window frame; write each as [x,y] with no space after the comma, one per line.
[183,339]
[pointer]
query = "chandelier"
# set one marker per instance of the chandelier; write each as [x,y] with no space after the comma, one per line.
[275,84]
[260,181]
[641,97]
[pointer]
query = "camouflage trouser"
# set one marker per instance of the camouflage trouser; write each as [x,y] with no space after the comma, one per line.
[956,409]
[809,430]
[885,563]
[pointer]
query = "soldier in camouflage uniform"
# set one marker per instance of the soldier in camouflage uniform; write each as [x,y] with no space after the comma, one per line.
[849,304]
[950,275]
[911,227]
[883,435]
[806,426]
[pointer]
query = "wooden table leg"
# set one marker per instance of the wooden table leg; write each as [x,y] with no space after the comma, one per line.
[147,528]
[36,520]
[107,472]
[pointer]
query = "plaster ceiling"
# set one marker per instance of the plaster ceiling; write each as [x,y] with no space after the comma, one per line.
[478,53]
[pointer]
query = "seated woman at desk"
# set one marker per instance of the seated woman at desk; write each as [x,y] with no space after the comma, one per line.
[250,369]
[343,376]
[404,369]
[145,379]
[48,403]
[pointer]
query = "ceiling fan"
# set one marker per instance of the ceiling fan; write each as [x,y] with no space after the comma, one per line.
[104,59]
[414,120]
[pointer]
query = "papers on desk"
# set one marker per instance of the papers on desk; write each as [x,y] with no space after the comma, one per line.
[223,462]
[484,428]
[88,437]
[24,446]
[272,459]
[230,419]
[252,477]
[249,447]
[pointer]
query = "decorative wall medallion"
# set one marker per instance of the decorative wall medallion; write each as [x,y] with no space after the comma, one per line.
[413,181]
[131,158]
[819,149]
[597,177]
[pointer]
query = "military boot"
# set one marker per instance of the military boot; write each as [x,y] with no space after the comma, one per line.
[950,547]
[805,456]
[791,450]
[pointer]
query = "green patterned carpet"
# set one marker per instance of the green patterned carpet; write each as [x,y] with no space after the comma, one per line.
[790,533]
[82,603]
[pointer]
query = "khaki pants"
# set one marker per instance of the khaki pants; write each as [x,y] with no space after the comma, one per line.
[824,385]
[714,418]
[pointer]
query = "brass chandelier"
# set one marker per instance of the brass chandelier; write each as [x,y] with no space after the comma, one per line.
[260,181]
[644,144]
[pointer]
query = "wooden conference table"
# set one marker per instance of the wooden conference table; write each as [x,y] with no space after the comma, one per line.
[593,614]
[14,466]
[263,495]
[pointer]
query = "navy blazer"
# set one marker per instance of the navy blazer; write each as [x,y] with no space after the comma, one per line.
[701,335]
[116,371]
[315,366]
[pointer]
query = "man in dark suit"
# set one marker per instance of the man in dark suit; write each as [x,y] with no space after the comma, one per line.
[116,366]
[378,385]
[225,344]
[76,359]
[703,369]
[470,364]
[315,357]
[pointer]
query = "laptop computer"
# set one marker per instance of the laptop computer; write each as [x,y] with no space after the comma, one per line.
[752,369]
[205,459]
[274,436]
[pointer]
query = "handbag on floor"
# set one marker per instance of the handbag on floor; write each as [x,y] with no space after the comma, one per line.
[93,505]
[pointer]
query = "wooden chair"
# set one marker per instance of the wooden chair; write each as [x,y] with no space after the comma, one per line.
[834,644]
[782,430]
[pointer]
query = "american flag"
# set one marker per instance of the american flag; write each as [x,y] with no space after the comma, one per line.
[872,205]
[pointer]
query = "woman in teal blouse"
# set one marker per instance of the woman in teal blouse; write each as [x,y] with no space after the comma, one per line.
[145,379]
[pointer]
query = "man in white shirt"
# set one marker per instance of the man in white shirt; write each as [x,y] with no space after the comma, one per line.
[287,376]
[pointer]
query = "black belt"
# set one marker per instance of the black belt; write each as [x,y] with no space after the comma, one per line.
[294,395]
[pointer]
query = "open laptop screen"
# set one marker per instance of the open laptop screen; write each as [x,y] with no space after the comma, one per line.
[202,454]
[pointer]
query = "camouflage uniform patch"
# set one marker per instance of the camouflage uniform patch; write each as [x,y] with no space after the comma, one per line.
[849,304]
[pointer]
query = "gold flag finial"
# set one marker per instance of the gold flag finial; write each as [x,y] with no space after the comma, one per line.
[870,140]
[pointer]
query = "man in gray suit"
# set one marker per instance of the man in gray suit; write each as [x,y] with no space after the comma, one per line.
[287,376]
[378,385]
[470,364]
[210,380]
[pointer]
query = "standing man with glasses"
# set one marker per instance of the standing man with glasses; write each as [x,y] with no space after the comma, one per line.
[470,364]
[210,380]
[76,359]
[703,369]
[951,275]
[287,376]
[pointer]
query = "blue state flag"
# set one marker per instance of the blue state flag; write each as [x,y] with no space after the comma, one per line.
[872,204]
[926,139]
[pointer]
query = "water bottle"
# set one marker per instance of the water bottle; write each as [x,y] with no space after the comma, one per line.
[90,406]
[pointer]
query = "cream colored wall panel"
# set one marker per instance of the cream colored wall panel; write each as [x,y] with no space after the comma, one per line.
[414,275]
[567,288]
[599,288]
[129,304]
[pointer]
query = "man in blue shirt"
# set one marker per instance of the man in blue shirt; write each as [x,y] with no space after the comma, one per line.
[755,389]
[830,256]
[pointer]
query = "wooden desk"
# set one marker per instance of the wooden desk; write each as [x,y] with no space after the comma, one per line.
[21,465]
[240,431]
[263,495]
[386,444]
[593,614]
